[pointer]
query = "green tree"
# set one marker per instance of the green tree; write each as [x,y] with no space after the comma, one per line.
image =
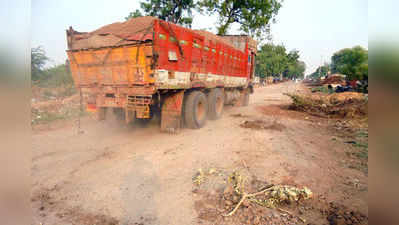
[38,60]
[271,60]
[301,68]
[254,16]
[293,56]
[352,62]
[134,14]
[175,11]
[56,76]
[295,69]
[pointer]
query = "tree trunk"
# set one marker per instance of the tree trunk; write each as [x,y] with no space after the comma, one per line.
[222,30]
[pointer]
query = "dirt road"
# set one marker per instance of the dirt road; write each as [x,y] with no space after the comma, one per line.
[112,174]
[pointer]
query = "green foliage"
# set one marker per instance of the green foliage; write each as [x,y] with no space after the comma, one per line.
[273,60]
[175,11]
[38,60]
[134,14]
[254,16]
[352,62]
[55,76]
[295,69]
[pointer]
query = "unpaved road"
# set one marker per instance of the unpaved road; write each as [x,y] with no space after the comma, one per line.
[112,174]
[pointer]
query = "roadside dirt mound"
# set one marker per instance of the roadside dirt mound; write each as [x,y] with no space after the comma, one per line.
[338,105]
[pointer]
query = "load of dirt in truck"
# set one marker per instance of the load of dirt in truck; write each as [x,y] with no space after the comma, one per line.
[125,33]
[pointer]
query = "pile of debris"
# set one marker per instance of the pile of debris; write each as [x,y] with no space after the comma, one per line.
[44,111]
[340,105]
[334,79]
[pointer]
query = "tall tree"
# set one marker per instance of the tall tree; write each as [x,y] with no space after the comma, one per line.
[254,16]
[293,56]
[273,60]
[175,11]
[295,69]
[38,60]
[352,62]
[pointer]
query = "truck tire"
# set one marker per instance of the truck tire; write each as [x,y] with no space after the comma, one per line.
[215,104]
[245,100]
[195,110]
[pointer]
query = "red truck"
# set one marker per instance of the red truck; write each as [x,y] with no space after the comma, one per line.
[146,66]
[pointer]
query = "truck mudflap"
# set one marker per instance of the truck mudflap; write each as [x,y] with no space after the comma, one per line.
[171,117]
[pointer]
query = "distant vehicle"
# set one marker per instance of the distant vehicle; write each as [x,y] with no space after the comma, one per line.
[146,66]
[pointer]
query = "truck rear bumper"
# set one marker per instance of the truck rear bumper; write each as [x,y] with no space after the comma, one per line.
[113,96]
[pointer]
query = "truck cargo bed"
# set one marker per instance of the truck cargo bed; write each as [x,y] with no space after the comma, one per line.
[121,66]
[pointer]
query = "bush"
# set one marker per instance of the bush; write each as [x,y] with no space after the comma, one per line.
[56,76]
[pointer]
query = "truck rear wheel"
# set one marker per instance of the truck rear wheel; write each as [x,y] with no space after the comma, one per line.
[195,110]
[215,103]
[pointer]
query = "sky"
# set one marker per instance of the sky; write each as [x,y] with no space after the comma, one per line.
[317,28]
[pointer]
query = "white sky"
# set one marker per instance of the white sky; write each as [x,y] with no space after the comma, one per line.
[317,28]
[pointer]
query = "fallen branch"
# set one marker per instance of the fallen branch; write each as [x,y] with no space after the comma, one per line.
[245,196]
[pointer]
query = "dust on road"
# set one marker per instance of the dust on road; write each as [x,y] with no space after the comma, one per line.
[112,174]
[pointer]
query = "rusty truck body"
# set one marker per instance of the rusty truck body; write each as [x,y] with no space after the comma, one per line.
[146,66]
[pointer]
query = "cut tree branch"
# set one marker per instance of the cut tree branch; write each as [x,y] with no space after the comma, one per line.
[245,196]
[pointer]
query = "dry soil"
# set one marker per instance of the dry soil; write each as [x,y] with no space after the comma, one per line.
[113,174]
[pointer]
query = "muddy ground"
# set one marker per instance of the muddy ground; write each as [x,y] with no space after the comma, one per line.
[113,174]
